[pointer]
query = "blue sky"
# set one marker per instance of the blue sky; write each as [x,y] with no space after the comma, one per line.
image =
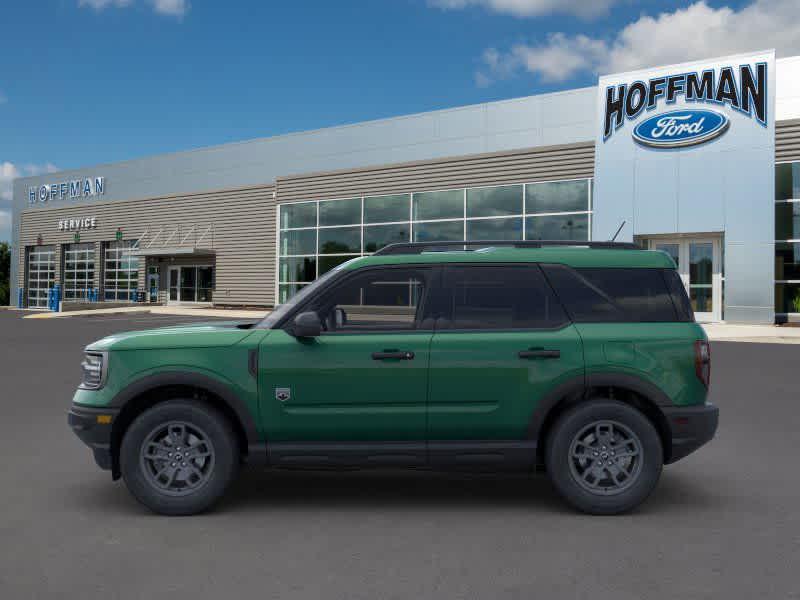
[92,81]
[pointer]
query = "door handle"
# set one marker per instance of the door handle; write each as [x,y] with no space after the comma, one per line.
[393,354]
[539,353]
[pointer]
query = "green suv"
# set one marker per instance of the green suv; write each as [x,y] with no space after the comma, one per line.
[581,359]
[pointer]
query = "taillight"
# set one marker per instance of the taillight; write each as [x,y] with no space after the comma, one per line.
[702,361]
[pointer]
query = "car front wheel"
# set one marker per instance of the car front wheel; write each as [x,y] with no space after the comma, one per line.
[179,457]
[604,457]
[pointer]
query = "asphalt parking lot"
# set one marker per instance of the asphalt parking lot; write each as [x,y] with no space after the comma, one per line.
[723,523]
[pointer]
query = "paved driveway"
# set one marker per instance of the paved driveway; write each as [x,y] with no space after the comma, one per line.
[722,524]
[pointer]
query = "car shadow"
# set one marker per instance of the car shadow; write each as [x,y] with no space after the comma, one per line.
[300,490]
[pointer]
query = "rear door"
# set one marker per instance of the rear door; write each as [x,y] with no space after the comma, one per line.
[502,343]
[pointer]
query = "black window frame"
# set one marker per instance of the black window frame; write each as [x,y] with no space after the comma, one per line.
[442,304]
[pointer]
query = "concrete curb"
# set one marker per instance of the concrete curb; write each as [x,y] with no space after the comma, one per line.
[156,310]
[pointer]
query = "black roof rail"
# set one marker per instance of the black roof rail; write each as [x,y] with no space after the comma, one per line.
[420,247]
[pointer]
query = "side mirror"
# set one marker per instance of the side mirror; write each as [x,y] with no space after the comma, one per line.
[307,325]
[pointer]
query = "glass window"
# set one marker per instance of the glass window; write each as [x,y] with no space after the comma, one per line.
[303,214]
[300,268]
[299,242]
[387,209]
[121,273]
[288,290]
[557,227]
[787,220]
[613,295]
[494,201]
[326,263]
[499,297]
[439,205]
[787,261]
[340,240]
[557,196]
[447,231]
[340,212]
[78,273]
[378,236]
[494,229]
[787,181]
[378,300]
[205,283]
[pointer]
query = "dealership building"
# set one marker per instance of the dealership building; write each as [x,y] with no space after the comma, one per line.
[700,160]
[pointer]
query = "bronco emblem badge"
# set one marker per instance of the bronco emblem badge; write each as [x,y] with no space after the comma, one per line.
[282,394]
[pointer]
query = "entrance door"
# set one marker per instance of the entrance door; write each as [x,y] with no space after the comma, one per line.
[700,266]
[192,283]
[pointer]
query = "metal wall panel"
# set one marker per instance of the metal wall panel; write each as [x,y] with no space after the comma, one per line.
[787,141]
[571,161]
[243,222]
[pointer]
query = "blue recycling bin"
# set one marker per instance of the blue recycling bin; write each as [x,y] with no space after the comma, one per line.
[20,298]
[54,297]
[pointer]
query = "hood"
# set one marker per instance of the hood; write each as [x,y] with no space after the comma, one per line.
[196,335]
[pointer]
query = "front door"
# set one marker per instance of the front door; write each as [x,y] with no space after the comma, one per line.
[700,265]
[502,344]
[191,283]
[364,379]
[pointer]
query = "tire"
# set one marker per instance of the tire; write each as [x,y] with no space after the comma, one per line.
[625,443]
[163,434]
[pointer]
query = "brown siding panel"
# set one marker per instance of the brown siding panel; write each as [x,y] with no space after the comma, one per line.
[572,161]
[243,223]
[787,141]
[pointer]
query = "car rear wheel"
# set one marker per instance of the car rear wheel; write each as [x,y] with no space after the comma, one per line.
[179,457]
[604,457]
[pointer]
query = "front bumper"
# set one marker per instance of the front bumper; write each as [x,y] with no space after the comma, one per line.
[691,426]
[93,427]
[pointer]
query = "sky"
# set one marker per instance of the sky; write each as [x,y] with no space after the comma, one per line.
[86,82]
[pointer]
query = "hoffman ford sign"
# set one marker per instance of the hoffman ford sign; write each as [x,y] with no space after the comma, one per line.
[72,190]
[738,87]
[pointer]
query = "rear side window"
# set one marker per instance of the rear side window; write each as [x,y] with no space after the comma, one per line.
[679,296]
[499,297]
[613,295]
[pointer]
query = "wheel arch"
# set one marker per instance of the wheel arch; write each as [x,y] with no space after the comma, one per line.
[632,390]
[150,390]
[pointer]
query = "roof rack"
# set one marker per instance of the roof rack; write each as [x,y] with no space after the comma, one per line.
[420,247]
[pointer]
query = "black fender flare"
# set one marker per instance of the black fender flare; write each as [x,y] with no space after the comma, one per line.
[578,386]
[194,379]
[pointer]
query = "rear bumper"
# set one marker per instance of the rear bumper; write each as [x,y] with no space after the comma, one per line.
[691,426]
[95,434]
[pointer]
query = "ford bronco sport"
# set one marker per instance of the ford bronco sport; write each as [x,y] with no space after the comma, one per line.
[582,359]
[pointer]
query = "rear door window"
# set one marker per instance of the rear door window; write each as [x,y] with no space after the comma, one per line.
[498,297]
[613,295]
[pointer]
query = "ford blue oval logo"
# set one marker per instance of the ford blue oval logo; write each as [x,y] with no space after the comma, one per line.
[681,128]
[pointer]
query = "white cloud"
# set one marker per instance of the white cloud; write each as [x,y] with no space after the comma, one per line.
[8,172]
[172,8]
[695,32]
[532,8]
[101,4]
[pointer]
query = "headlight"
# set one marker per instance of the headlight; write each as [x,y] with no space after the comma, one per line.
[93,368]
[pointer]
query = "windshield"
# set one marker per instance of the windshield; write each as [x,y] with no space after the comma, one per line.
[282,310]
